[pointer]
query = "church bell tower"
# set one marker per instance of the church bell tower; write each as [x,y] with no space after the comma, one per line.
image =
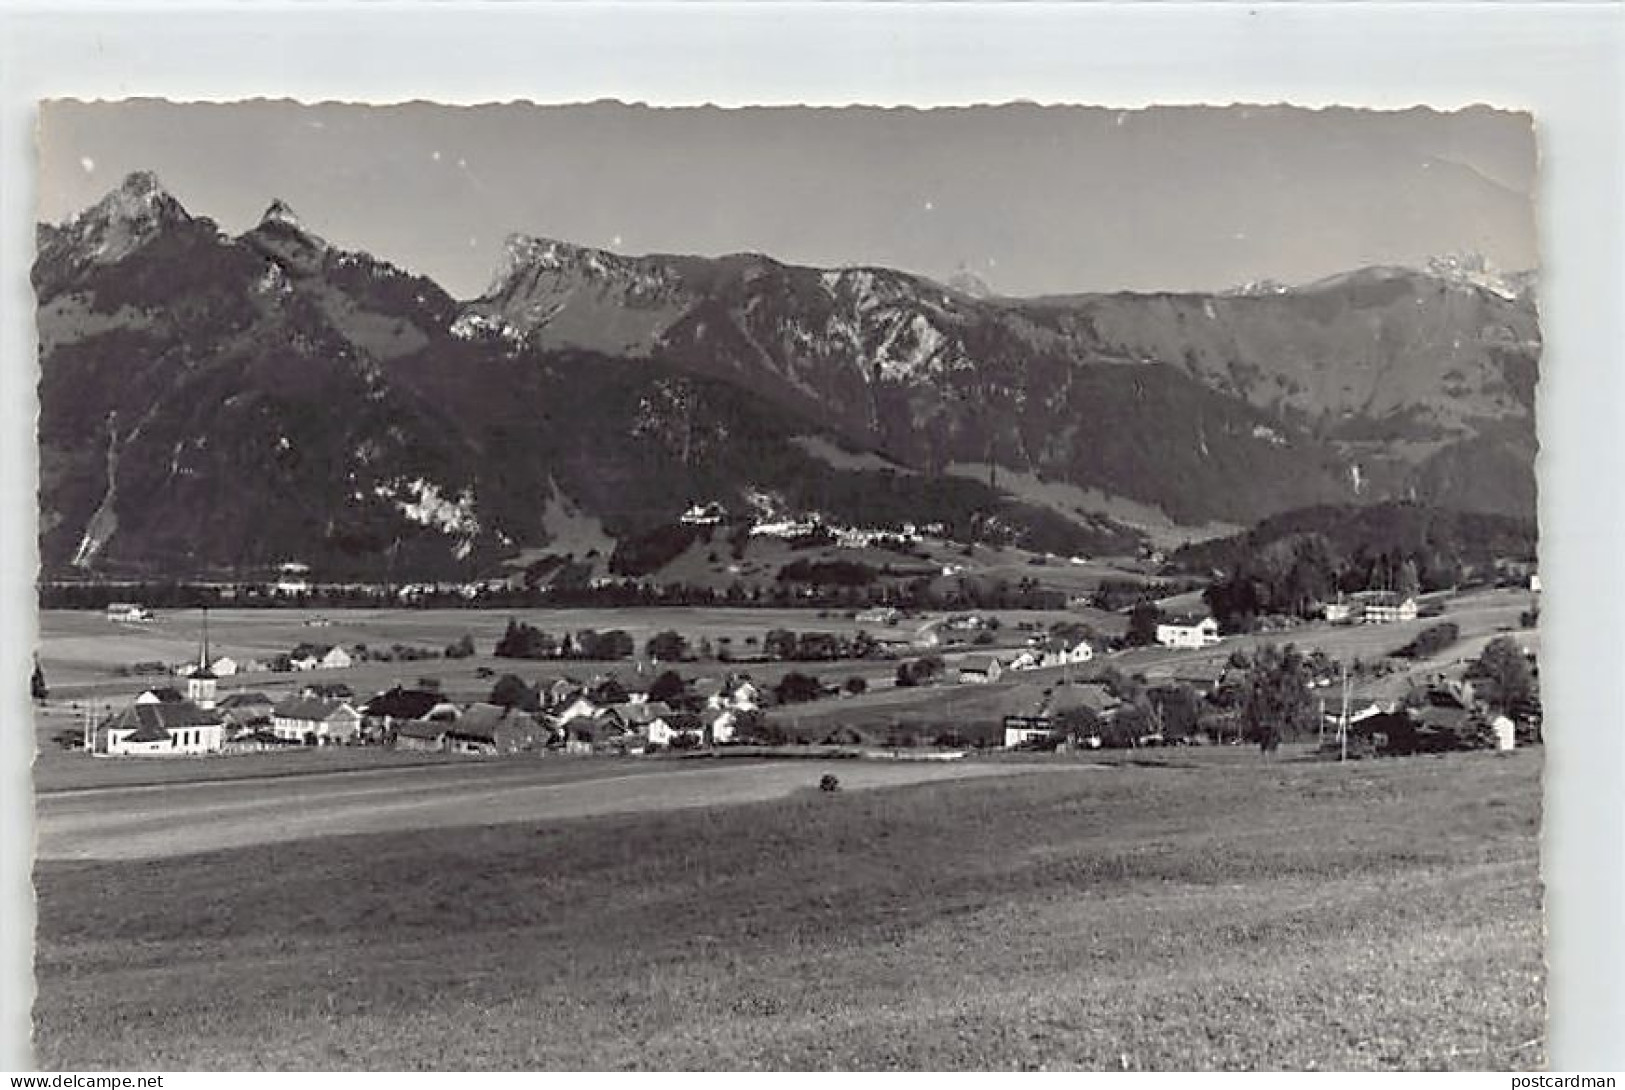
[200,687]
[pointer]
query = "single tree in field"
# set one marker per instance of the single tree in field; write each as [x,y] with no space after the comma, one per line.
[796,688]
[1142,624]
[1409,580]
[510,691]
[1504,663]
[667,646]
[669,687]
[1077,722]
[614,644]
[37,684]
[1277,700]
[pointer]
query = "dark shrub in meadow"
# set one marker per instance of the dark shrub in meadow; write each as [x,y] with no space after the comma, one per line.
[1430,641]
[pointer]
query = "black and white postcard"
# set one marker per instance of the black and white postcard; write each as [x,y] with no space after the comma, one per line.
[592,586]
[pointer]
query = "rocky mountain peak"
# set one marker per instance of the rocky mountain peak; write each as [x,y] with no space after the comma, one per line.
[280,214]
[280,225]
[125,219]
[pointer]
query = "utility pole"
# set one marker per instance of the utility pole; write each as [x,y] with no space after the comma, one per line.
[1343,720]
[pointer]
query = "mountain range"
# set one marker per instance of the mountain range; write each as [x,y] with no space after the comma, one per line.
[217,403]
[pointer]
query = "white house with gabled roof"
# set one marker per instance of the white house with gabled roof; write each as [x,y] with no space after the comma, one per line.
[1189,633]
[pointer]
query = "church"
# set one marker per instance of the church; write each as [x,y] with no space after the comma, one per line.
[172,727]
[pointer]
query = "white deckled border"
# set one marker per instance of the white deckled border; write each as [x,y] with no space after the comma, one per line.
[1562,63]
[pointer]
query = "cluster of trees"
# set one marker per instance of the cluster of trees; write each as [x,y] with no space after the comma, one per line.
[921,671]
[524,641]
[840,573]
[1287,580]
[1276,702]
[395,652]
[786,646]
[1504,677]
[1265,699]
[668,646]
[568,587]
[1115,595]
[1371,542]
[1290,564]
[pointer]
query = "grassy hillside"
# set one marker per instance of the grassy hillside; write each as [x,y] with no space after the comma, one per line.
[1260,915]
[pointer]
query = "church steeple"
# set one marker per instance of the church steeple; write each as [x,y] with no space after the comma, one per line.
[200,687]
[205,659]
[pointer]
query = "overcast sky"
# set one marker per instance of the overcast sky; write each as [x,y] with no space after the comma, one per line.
[1033,199]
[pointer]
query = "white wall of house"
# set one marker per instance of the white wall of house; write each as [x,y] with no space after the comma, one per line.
[1015,736]
[294,730]
[1506,734]
[722,728]
[183,741]
[119,745]
[1202,634]
[660,733]
[341,726]
[1391,614]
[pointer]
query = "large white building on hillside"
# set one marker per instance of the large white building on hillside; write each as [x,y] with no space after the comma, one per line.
[1189,634]
[1386,607]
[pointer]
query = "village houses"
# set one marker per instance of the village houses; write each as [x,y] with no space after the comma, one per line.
[1044,656]
[321,657]
[316,721]
[246,709]
[494,729]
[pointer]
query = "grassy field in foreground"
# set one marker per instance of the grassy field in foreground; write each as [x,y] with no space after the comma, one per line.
[1262,915]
